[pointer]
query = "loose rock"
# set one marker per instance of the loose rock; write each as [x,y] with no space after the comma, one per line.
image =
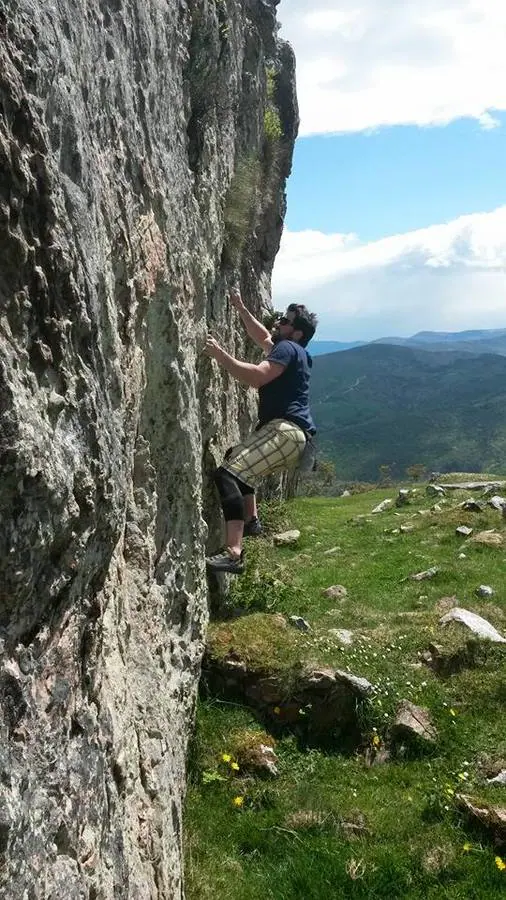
[403,497]
[335,592]
[342,635]
[490,538]
[413,722]
[406,529]
[473,505]
[299,623]
[484,590]
[463,531]
[381,507]
[497,502]
[498,779]
[423,576]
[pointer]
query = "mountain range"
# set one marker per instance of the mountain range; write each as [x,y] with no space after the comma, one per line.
[433,402]
[484,341]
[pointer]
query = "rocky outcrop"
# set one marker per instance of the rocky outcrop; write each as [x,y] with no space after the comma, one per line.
[321,704]
[136,179]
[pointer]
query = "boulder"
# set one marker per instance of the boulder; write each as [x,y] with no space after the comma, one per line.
[489,538]
[287,538]
[479,626]
[485,486]
[435,490]
[492,817]
[403,497]
[497,502]
[128,131]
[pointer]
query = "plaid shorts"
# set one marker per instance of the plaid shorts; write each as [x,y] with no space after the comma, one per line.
[275,447]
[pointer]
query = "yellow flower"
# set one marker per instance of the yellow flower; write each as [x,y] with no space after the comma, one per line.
[238,802]
[276,710]
[234,766]
[452,712]
[467,847]
[501,865]
[226,757]
[376,740]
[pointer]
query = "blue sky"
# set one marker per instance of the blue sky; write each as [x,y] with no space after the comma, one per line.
[397,200]
[397,178]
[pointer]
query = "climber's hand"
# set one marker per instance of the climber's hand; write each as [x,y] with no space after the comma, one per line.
[235,298]
[212,348]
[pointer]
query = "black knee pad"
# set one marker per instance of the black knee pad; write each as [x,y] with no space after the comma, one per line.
[230,495]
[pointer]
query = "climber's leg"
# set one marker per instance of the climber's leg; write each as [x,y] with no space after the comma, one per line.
[232,503]
[252,524]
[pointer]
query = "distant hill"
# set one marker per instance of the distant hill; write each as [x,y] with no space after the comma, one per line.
[490,341]
[318,348]
[382,404]
[433,337]
[485,341]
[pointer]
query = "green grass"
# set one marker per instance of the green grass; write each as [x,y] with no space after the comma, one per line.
[290,838]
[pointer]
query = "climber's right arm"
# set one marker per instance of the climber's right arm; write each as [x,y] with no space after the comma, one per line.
[256,331]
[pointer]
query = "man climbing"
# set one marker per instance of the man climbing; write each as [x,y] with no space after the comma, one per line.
[284,419]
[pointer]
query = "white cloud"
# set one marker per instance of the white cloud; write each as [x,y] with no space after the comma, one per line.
[447,277]
[391,62]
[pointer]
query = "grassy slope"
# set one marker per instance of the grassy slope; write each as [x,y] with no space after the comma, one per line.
[415,839]
[392,405]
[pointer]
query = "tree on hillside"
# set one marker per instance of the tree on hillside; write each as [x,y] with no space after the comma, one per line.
[416,471]
[385,472]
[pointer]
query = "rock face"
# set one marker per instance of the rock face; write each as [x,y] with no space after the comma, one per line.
[136,173]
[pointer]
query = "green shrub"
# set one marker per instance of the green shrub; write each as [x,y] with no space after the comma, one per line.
[273,129]
[240,206]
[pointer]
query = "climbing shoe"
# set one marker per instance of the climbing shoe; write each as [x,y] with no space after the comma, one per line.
[223,562]
[253,528]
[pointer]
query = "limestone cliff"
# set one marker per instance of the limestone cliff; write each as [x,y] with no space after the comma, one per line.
[139,173]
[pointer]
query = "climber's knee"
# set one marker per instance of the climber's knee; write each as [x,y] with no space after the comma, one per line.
[230,495]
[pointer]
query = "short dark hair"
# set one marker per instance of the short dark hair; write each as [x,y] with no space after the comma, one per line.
[304,321]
